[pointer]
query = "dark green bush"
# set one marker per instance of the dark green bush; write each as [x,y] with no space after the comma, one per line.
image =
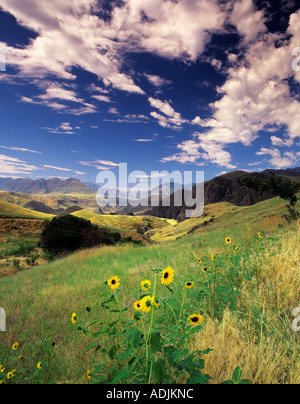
[69,233]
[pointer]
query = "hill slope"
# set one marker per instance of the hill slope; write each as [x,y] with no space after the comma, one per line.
[226,188]
[256,336]
[9,210]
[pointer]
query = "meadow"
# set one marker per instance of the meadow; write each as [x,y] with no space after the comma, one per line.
[244,291]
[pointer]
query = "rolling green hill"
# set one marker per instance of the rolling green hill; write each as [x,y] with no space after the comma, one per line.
[10,210]
[254,334]
[123,222]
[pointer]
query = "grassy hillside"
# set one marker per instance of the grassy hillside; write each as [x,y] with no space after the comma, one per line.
[252,330]
[52,201]
[224,216]
[123,222]
[10,210]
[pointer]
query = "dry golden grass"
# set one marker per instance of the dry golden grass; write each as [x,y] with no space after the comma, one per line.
[258,336]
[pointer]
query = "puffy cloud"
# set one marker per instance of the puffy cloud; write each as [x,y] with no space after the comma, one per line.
[277,160]
[172,119]
[276,141]
[161,26]
[65,128]
[12,165]
[73,34]
[256,96]
[248,21]
[157,81]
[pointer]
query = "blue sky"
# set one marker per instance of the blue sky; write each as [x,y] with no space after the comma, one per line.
[161,85]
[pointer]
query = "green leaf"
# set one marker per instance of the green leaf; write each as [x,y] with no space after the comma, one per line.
[91,345]
[237,375]
[107,301]
[135,337]
[113,351]
[208,351]
[159,370]
[169,289]
[120,376]
[196,329]
[228,382]
[196,377]
[244,381]
[97,369]
[98,334]
[156,343]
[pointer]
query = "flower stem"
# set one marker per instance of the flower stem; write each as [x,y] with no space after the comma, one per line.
[181,310]
[148,340]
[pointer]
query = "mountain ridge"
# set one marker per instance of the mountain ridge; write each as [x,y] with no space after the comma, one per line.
[44,187]
[224,188]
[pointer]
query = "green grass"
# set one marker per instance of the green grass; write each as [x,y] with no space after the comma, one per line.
[39,303]
[224,216]
[18,247]
[13,211]
[122,221]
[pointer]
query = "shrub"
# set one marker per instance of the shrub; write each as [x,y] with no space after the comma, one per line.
[70,233]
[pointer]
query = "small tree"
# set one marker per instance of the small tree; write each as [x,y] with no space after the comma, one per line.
[279,186]
[70,233]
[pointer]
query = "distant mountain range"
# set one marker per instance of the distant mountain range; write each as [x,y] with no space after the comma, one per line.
[76,195]
[44,187]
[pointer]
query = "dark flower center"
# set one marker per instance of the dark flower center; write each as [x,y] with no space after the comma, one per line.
[195,320]
[166,275]
[113,282]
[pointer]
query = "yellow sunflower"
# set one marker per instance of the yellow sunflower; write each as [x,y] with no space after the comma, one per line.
[74,318]
[237,249]
[138,305]
[39,365]
[10,375]
[199,260]
[114,282]
[195,319]
[146,284]
[205,269]
[2,368]
[147,302]
[189,285]
[15,346]
[259,235]
[228,240]
[167,276]
[213,257]
[89,375]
